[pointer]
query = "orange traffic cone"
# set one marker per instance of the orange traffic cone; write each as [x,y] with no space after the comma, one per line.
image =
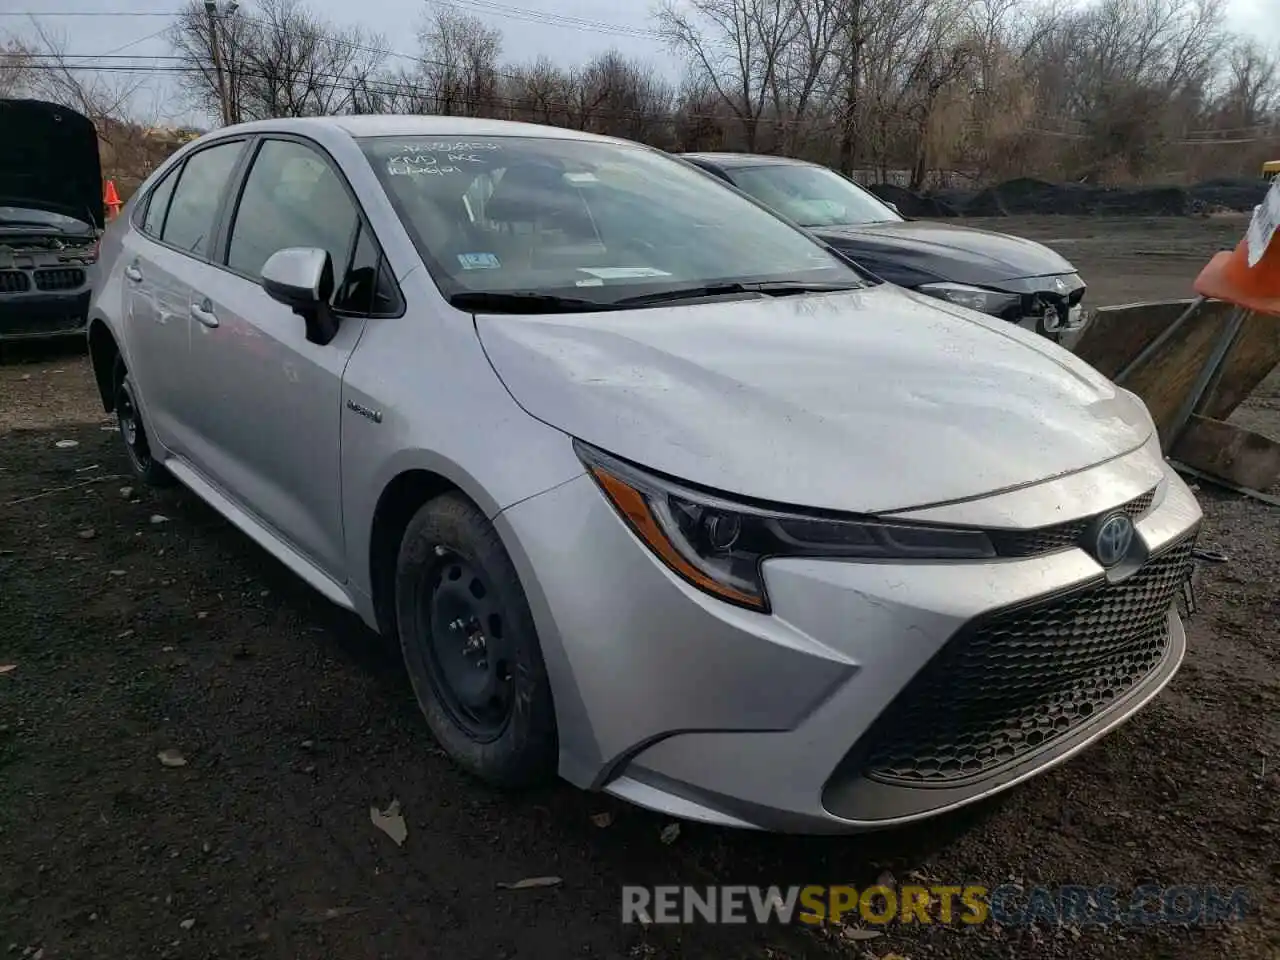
[1229,277]
[111,199]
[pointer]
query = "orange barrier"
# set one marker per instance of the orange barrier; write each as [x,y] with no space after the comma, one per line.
[1193,362]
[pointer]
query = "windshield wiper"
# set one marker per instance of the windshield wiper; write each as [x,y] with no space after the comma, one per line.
[773,288]
[479,300]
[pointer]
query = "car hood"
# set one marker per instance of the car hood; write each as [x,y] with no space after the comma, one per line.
[868,401]
[49,160]
[944,251]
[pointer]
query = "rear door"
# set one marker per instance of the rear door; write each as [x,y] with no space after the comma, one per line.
[166,261]
[268,428]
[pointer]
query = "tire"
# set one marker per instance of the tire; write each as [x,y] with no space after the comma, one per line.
[470,646]
[133,432]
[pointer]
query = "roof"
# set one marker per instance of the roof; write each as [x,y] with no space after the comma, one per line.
[410,125]
[729,160]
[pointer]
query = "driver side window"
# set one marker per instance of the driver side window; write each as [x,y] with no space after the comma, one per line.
[292,197]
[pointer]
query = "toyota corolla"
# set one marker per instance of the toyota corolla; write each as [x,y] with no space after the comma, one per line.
[653,490]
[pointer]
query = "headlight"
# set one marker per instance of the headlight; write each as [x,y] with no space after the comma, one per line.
[975,298]
[718,545]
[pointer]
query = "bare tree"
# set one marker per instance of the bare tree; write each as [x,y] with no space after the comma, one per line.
[1252,88]
[459,62]
[16,59]
[737,47]
[539,92]
[804,68]
[283,61]
[51,75]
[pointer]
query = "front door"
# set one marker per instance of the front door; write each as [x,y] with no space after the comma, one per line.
[267,432]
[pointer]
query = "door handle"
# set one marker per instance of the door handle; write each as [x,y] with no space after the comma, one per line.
[133,273]
[203,312]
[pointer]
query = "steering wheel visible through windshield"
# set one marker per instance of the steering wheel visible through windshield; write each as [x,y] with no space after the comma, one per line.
[594,221]
[812,196]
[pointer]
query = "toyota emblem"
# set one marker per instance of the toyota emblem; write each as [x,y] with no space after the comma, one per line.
[1115,536]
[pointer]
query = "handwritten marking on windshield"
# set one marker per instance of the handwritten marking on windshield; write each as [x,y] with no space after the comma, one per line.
[401,167]
[448,146]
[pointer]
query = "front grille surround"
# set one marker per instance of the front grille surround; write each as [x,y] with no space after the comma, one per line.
[1020,681]
[1061,536]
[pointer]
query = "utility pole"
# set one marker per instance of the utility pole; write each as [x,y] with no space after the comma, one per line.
[215,49]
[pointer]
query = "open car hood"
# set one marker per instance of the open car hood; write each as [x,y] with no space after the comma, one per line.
[870,401]
[49,160]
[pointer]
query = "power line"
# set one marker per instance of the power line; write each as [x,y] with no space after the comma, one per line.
[356,86]
[85,13]
[549,19]
[513,12]
[115,51]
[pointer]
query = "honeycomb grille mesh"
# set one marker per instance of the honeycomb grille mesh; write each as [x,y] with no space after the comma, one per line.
[1020,681]
[59,278]
[1031,543]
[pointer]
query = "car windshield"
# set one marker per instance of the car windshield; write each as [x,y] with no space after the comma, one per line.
[598,222]
[29,216]
[812,196]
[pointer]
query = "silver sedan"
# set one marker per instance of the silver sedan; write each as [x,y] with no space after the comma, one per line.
[655,491]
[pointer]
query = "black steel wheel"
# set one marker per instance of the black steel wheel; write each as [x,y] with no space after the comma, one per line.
[466,653]
[470,646]
[133,432]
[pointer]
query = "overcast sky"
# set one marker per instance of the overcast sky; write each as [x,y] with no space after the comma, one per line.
[625,25]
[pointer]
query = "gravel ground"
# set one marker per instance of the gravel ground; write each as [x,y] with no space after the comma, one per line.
[137,624]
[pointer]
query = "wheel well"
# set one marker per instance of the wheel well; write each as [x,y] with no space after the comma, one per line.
[400,500]
[103,352]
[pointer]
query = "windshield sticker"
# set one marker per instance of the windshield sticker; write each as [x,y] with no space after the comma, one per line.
[581,178]
[622,273]
[594,282]
[478,261]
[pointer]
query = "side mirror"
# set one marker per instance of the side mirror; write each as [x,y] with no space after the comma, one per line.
[302,279]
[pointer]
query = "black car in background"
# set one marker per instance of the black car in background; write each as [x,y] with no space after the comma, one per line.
[50,218]
[1017,280]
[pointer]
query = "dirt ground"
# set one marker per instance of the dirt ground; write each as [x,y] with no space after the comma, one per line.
[137,623]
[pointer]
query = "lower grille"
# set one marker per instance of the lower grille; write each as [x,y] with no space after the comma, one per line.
[59,278]
[1031,543]
[1015,683]
[13,281]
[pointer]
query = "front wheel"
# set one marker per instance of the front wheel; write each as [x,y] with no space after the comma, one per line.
[470,646]
[134,434]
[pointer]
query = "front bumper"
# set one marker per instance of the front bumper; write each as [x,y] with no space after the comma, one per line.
[1052,306]
[1053,322]
[686,705]
[39,315]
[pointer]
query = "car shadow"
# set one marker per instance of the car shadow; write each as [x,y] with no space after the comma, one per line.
[25,351]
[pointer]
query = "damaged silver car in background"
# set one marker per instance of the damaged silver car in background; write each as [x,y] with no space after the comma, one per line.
[50,217]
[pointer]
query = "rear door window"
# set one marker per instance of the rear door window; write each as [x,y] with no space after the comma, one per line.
[158,203]
[203,183]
